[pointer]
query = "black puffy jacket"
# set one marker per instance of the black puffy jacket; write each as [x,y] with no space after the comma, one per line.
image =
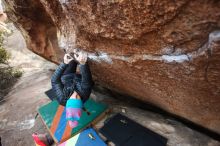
[82,84]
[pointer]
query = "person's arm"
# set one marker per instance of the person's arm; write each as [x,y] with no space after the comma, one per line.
[56,77]
[57,86]
[86,82]
[85,72]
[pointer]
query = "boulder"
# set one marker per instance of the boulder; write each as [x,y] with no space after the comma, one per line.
[166,53]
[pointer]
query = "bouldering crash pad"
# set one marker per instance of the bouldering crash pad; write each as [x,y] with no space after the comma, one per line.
[123,131]
[87,137]
[54,117]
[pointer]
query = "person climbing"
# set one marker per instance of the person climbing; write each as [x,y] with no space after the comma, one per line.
[66,82]
[72,90]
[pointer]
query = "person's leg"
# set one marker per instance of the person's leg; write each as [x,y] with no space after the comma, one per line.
[71,68]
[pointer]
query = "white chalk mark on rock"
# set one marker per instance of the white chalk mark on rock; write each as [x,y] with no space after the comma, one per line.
[213,37]
[177,58]
[64,1]
[99,57]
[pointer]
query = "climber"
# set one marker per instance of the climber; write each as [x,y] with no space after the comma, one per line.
[65,81]
[72,90]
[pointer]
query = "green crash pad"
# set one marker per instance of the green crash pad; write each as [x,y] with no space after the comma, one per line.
[54,117]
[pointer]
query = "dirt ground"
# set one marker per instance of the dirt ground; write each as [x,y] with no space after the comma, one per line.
[19,107]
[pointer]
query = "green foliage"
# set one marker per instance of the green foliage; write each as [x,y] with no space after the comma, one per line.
[17,73]
[4,55]
[8,75]
[1,38]
[6,78]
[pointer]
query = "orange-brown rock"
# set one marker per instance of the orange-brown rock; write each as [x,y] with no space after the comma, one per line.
[163,52]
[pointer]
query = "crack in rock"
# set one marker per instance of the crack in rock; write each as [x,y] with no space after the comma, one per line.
[180,58]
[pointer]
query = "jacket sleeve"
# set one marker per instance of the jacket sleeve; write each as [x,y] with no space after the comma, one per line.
[86,82]
[85,72]
[57,86]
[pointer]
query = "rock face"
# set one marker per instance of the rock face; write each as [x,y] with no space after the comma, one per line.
[163,52]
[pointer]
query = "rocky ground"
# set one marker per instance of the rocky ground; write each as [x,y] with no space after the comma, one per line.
[18,110]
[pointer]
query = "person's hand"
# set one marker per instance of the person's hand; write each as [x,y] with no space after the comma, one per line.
[67,58]
[81,57]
